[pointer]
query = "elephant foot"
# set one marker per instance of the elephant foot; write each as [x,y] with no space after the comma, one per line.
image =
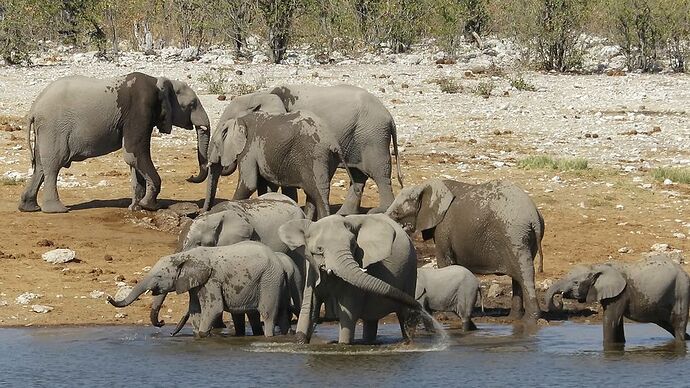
[29,206]
[134,207]
[54,207]
[151,205]
[301,338]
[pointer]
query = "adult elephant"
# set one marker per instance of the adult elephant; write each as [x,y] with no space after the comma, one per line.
[490,228]
[232,222]
[363,127]
[654,289]
[76,118]
[366,262]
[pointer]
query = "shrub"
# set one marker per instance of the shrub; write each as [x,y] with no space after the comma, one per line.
[519,83]
[448,85]
[214,81]
[675,174]
[484,89]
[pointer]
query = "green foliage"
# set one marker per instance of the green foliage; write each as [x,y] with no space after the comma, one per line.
[519,83]
[543,162]
[214,81]
[448,85]
[484,89]
[675,174]
[21,21]
[278,16]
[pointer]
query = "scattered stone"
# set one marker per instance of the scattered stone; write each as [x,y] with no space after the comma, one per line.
[45,243]
[667,182]
[625,250]
[494,291]
[41,309]
[660,247]
[120,278]
[95,294]
[120,315]
[679,235]
[108,258]
[222,97]
[238,72]
[620,207]
[186,209]
[542,322]
[26,297]
[404,86]
[59,256]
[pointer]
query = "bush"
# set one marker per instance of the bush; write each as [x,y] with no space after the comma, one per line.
[546,162]
[484,89]
[214,81]
[519,83]
[448,85]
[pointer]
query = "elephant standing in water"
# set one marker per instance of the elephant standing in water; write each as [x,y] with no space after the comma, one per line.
[357,119]
[654,289]
[490,228]
[449,289]
[366,262]
[77,118]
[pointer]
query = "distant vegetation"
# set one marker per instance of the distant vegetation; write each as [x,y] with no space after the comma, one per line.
[675,174]
[546,162]
[649,31]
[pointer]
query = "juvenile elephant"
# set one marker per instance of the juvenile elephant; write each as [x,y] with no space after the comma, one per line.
[654,289]
[450,289]
[240,278]
[358,120]
[77,118]
[366,262]
[294,149]
[233,221]
[490,228]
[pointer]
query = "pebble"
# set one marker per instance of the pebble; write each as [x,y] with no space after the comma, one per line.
[41,309]
[26,297]
[95,294]
[120,315]
[59,256]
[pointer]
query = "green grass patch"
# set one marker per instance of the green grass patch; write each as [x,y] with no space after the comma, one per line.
[448,85]
[7,181]
[676,174]
[519,83]
[543,162]
[484,89]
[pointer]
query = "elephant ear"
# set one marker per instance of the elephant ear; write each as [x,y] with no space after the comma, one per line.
[192,274]
[165,94]
[292,233]
[234,139]
[608,283]
[434,200]
[233,228]
[375,236]
[269,103]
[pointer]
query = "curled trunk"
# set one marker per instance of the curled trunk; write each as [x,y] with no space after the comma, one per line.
[156,308]
[552,305]
[136,292]
[203,137]
[348,270]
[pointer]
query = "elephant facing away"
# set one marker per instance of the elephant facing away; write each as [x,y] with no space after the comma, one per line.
[231,222]
[450,289]
[358,120]
[294,149]
[244,277]
[77,118]
[490,228]
[366,262]
[654,290]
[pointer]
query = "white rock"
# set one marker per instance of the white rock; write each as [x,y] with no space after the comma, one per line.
[95,294]
[41,309]
[667,182]
[624,250]
[58,256]
[620,207]
[122,292]
[340,183]
[494,291]
[659,247]
[679,235]
[120,315]
[3,303]
[26,297]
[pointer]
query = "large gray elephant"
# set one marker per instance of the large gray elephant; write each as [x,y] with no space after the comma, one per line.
[366,262]
[450,289]
[358,120]
[240,278]
[76,118]
[490,228]
[231,222]
[654,289]
[293,149]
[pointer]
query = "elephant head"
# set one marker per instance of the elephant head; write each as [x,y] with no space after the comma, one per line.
[180,272]
[227,143]
[421,207]
[587,284]
[345,247]
[181,107]
[259,101]
[217,229]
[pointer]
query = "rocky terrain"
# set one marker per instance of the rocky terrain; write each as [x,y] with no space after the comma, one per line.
[472,120]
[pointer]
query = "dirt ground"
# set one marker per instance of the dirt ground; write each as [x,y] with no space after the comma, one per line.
[589,216]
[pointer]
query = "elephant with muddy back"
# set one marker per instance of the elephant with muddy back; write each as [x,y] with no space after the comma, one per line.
[231,222]
[654,290]
[367,263]
[359,122]
[489,228]
[240,278]
[77,118]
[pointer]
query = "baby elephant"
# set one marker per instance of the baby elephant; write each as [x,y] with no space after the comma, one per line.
[450,289]
[654,290]
[240,278]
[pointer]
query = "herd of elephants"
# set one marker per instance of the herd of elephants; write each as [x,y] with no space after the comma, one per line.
[270,259]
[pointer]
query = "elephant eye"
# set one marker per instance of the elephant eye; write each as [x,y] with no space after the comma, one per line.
[318,250]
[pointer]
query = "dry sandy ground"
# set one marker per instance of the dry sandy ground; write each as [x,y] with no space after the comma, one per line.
[589,214]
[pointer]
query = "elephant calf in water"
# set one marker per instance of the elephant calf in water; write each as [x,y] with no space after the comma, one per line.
[654,289]
[244,277]
[450,289]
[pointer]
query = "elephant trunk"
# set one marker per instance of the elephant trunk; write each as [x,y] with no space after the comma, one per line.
[203,137]
[348,270]
[556,288]
[156,308]
[212,186]
[136,292]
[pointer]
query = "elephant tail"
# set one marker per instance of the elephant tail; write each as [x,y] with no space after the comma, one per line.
[394,137]
[481,298]
[180,324]
[31,138]
[539,233]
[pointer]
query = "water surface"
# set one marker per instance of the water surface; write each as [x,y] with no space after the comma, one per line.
[560,355]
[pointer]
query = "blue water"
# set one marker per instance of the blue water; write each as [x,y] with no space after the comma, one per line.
[496,355]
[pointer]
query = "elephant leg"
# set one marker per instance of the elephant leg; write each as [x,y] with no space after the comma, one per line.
[290,192]
[354,193]
[239,324]
[137,180]
[255,323]
[402,321]
[244,190]
[144,166]
[516,309]
[370,329]
[211,305]
[51,199]
[28,202]
[613,323]
[679,316]
[347,327]
[309,208]
[381,175]
[464,311]
[305,320]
